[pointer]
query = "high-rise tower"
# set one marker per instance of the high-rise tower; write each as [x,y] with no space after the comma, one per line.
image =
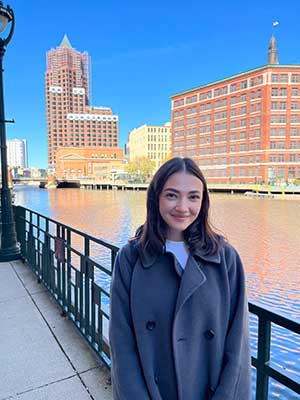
[71,121]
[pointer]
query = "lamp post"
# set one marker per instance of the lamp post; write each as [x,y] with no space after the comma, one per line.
[9,247]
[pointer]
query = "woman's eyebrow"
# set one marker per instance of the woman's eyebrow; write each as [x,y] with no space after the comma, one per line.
[178,191]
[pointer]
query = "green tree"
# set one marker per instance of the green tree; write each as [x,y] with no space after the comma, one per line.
[141,168]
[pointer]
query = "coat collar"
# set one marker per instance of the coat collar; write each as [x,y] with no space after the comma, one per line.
[148,259]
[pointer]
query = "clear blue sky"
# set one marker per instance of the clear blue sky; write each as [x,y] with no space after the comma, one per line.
[142,52]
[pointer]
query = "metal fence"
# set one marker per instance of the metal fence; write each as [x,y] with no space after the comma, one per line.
[76,268]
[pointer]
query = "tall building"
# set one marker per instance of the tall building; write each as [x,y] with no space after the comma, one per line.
[17,153]
[71,120]
[244,128]
[150,141]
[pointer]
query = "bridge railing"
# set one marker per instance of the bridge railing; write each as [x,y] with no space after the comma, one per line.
[76,269]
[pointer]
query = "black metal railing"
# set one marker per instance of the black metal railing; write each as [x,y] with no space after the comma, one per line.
[76,268]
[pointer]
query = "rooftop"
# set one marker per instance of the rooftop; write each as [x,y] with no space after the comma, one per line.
[239,75]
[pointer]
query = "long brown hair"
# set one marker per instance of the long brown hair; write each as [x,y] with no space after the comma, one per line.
[151,235]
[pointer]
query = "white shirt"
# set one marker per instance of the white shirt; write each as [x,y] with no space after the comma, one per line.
[179,250]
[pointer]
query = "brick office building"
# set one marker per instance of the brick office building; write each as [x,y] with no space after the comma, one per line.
[245,128]
[71,120]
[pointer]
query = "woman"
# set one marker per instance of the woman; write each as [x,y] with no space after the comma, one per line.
[179,321]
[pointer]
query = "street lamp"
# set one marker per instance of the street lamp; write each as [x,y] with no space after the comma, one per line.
[9,247]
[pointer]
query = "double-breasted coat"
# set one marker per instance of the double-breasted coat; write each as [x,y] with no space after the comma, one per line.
[179,335]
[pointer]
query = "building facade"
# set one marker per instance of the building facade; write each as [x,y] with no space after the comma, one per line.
[71,120]
[150,141]
[17,153]
[245,128]
[97,163]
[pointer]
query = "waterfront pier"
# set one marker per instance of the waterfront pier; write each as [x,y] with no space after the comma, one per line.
[43,356]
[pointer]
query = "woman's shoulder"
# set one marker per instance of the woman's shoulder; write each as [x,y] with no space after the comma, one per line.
[129,252]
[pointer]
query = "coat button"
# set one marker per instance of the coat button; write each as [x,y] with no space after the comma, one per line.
[209,334]
[150,325]
[156,379]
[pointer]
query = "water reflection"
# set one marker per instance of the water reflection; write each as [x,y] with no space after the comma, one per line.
[265,231]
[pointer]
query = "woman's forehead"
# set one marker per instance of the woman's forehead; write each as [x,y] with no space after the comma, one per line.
[183,181]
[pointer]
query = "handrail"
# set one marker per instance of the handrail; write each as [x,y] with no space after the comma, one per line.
[70,264]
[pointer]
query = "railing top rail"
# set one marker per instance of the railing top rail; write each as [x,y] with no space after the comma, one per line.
[74,230]
[278,317]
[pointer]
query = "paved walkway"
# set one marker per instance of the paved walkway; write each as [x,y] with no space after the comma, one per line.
[42,355]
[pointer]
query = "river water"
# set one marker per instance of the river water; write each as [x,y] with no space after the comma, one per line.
[266,232]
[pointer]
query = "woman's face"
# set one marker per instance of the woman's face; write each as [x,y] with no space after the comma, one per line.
[180,203]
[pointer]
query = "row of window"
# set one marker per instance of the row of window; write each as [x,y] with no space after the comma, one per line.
[234,148]
[162,130]
[154,147]
[283,145]
[233,112]
[284,78]
[157,156]
[284,158]
[218,103]
[158,138]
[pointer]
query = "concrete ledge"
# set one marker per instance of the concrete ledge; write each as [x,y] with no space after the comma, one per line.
[42,355]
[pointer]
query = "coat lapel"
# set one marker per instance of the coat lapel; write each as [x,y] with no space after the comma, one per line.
[192,278]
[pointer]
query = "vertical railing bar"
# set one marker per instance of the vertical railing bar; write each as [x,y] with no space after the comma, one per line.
[58,268]
[87,285]
[263,356]
[69,278]
[64,270]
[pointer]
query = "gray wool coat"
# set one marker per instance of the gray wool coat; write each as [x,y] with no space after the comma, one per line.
[179,335]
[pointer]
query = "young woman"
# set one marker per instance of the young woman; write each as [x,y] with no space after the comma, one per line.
[179,320]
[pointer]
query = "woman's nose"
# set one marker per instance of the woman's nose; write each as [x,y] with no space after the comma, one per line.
[182,205]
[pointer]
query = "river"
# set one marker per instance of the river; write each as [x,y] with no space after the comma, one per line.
[266,233]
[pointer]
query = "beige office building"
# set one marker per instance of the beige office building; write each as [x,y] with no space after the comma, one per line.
[151,141]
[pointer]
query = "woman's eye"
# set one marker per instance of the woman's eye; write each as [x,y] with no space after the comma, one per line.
[170,195]
[195,197]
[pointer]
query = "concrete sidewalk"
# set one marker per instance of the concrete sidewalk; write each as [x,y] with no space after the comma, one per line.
[42,355]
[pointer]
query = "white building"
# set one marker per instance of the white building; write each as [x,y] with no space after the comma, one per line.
[17,153]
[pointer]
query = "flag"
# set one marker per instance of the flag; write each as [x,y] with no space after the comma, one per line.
[275,23]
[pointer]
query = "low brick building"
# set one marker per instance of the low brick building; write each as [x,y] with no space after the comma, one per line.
[88,162]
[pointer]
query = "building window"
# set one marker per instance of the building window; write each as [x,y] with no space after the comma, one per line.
[295,78]
[233,87]
[295,92]
[283,92]
[244,84]
[274,91]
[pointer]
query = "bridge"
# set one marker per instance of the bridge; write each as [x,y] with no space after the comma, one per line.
[29,181]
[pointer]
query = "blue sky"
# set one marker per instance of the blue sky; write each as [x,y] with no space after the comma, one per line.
[142,52]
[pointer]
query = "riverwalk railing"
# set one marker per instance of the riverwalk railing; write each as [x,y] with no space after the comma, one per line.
[76,268]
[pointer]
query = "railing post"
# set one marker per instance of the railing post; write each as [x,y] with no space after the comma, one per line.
[20,214]
[263,356]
